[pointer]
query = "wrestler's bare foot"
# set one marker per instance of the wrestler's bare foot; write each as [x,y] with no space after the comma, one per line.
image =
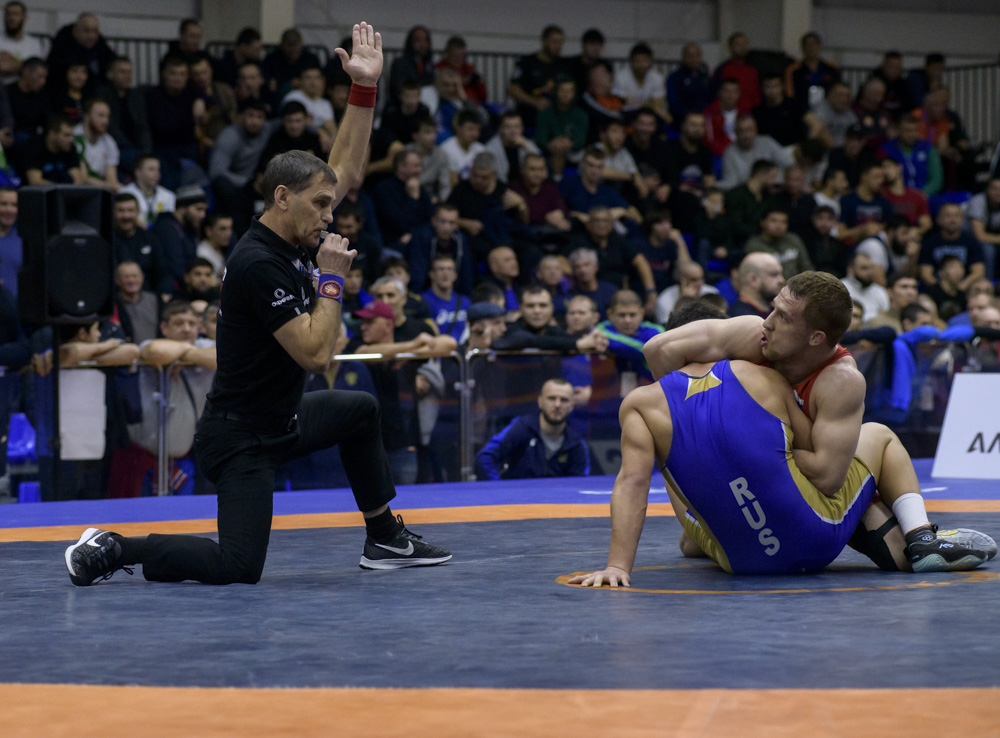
[689,548]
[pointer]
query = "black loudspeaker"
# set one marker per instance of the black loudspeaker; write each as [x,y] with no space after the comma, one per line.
[67,272]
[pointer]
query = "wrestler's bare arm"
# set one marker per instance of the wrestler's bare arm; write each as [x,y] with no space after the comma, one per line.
[705,341]
[838,405]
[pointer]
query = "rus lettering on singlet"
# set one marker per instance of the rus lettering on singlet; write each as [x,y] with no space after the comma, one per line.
[754,515]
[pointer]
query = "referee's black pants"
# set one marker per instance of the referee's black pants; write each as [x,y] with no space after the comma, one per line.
[240,458]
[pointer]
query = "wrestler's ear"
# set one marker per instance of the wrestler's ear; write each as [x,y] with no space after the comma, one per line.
[817,338]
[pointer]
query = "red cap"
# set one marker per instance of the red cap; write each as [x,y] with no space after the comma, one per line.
[375,310]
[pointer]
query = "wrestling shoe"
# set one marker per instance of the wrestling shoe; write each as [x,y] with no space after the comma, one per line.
[406,549]
[94,558]
[927,552]
[972,539]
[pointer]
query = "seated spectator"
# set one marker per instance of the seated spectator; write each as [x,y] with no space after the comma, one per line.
[809,80]
[745,203]
[127,123]
[219,98]
[433,161]
[536,328]
[97,150]
[80,41]
[640,85]
[448,308]
[454,58]
[413,305]
[720,117]
[369,221]
[906,201]
[510,147]
[29,101]
[173,110]
[737,68]
[293,134]
[441,237]
[983,220]
[921,81]
[236,156]
[200,282]
[11,247]
[627,332]
[874,118]
[598,101]
[188,387]
[138,309]
[486,324]
[537,446]
[690,283]
[145,188]
[218,231]
[950,239]
[401,204]
[16,46]
[890,73]
[446,99]
[416,62]
[948,292]
[787,120]
[460,150]
[827,252]
[850,157]
[584,263]
[861,284]
[489,212]
[582,315]
[190,35]
[920,161]
[902,290]
[319,110]
[620,169]
[251,85]
[400,118]
[563,128]
[663,246]
[66,96]
[132,243]
[591,53]
[689,87]
[548,216]
[355,297]
[864,212]
[177,232]
[504,272]
[349,222]
[775,239]
[533,81]
[760,278]
[942,128]
[748,148]
[893,250]
[835,114]
[713,230]
[552,273]
[52,159]
[587,190]
[288,62]
[834,186]
[247,49]
[621,263]
[795,199]
[979,296]
[79,343]
[648,146]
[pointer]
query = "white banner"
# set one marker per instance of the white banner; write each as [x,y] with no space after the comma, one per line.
[969,446]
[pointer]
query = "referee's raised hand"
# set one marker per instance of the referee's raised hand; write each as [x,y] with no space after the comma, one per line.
[334,256]
[364,65]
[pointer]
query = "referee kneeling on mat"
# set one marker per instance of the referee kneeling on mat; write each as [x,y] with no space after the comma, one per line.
[279,319]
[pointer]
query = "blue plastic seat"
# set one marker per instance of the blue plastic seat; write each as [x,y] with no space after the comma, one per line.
[21,440]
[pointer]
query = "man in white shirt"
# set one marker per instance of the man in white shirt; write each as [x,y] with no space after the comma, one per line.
[15,44]
[312,85]
[218,229]
[749,147]
[619,164]
[96,148]
[639,84]
[690,283]
[460,149]
[860,283]
[145,186]
[510,147]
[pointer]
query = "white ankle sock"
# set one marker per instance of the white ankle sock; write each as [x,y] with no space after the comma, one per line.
[910,511]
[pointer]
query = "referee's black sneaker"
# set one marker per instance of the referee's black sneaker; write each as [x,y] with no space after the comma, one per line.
[406,549]
[94,558]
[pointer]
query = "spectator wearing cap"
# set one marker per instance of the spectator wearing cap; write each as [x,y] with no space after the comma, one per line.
[236,155]
[177,232]
[486,324]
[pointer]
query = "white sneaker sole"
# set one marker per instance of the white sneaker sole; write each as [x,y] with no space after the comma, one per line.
[977,540]
[87,535]
[367,563]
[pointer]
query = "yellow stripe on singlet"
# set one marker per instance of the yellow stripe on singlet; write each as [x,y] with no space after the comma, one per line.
[834,509]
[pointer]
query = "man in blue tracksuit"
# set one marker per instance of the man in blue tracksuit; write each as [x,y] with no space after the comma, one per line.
[538,445]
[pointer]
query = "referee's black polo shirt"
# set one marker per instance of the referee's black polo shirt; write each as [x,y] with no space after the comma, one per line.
[266,284]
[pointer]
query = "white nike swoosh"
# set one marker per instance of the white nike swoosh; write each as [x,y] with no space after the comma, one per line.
[94,543]
[401,551]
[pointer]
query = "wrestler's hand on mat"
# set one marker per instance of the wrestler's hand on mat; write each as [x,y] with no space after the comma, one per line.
[334,257]
[613,576]
[364,65]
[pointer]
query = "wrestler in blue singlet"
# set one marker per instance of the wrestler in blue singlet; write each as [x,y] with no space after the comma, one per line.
[749,506]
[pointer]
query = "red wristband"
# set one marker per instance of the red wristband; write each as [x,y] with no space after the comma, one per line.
[362,96]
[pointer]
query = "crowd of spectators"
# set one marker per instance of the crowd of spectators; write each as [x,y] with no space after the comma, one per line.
[596,202]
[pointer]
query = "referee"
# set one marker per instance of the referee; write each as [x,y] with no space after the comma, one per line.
[279,318]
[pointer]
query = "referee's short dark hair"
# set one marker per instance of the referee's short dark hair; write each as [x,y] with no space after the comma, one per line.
[296,170]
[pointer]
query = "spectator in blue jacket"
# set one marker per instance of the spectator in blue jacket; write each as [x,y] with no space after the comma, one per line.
[538,445]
